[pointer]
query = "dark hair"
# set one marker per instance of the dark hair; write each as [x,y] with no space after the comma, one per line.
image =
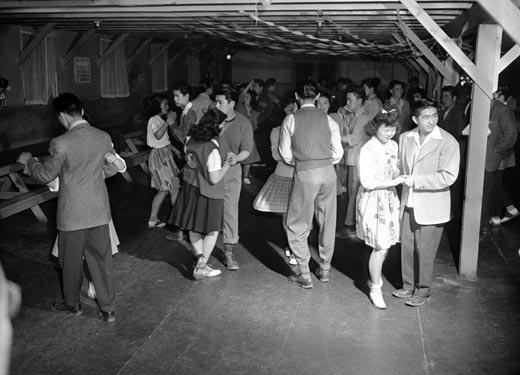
[419,106]
[452,90]
[308,89]
[230,95]
[254,103]
[285,102]
[225,82]
[420,91]
[154,107]
[205,84]
[208,126]
[504,91]
[373,83]
[184,88]
[259,82]
[324,94]
[358,91]
[270,82]
[383,118]
[67,103]
[394,83]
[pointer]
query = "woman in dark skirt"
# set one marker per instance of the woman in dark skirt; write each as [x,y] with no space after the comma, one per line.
[199,207]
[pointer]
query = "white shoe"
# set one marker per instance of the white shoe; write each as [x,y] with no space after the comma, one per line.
[210,272]
[201,273]
[292,259]
[287,252]
[91,291]
[376,296]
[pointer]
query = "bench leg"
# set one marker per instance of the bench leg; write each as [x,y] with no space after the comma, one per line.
[18,182]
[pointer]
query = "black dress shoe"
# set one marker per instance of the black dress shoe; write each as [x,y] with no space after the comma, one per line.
[301,281]
[322,275]
[62,307]
[108,316]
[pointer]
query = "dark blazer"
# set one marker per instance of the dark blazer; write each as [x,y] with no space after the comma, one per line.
[503,135]
[78,158]
[454,121]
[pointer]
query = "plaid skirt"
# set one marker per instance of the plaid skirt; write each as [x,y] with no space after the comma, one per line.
[165,175]
[274,195]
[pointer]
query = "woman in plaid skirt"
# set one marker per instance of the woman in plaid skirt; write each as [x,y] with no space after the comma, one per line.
[165,173]
[274,195]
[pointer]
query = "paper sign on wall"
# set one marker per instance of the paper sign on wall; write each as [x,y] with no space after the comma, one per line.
[82,69]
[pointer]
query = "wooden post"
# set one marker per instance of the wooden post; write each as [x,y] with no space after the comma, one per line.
[489,42]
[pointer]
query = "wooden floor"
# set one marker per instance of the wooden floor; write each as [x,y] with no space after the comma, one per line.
[253,321]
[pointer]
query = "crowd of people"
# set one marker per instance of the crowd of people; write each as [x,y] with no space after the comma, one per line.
[398,166]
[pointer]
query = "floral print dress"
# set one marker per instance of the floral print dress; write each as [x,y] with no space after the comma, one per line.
[378,208]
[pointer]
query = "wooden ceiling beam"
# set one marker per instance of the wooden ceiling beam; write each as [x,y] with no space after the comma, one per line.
[35,42]
[424,49]
[450,46]
[509,57]
[53,7]
[163,50]
[138,50]
[77,45]
[175,57]
[506,15]
[194,54]
[138,3]
[110,50]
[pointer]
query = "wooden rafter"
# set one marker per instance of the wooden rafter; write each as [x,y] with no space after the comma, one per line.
[423,48]
[509,57]
[178,54]
[35,42]
[138,50]
[449,45]
[194,54]
[77,46]
[506,14]
[419,60]
[110,50]
[163,50]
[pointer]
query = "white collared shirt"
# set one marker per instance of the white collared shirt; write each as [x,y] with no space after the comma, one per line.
[187,108]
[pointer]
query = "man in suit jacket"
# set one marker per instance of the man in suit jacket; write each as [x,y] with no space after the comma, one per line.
[78,158]
[429,157]
[355,117]
[452,119]
[499,156]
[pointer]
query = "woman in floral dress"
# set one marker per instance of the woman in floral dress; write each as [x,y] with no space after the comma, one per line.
[377,201]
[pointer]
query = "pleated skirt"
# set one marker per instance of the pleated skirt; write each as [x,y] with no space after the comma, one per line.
[197,213]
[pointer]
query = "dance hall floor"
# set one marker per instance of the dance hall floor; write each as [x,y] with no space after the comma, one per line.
[253,321]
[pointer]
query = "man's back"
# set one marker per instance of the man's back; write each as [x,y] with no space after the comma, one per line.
[82,198]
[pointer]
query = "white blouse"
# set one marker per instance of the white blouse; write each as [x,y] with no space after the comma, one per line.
[154,124]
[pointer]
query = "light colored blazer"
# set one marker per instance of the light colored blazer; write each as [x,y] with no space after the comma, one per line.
[434,169]
[78,158]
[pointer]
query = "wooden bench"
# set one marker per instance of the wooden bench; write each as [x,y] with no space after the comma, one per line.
[136,157]
[14,201]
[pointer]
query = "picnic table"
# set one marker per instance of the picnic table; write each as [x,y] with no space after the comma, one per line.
[135,156]
[15,195]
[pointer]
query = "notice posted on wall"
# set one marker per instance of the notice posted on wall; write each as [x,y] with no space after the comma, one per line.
[82,73]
